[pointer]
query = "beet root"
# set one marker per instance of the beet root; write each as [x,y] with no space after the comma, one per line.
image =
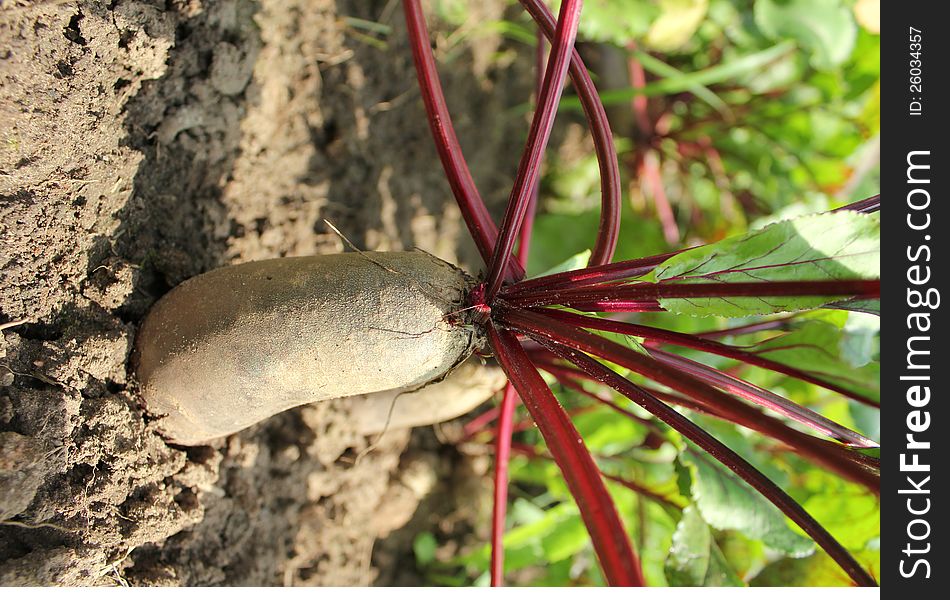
[238,344]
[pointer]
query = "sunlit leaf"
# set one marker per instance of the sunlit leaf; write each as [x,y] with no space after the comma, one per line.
[853,516]
[657,534]
[867,419]
[605,434]
[830,246]
[524,544]
[676,24]
[744,555]
[815,571]
[578,261]
[868,14]
[735,68]
[566,539]
[600,22]
[871,306]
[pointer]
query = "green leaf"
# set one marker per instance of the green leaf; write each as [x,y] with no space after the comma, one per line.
[523,511]
[726,71]
[656,532]
[827,246]
[600,21]
[566,539]
[733,69]
[695,559]
[658,67]
[578,261]
[853,515]
[867,419]
[825,28]
[510,29]
[606,434]
[745,556]
[557,237]
[529,544]
[818,570]
[424,547]
[859,340]
[871,306]
[630,341]
[784,73]
[817,348]
[727,502]
[677,23]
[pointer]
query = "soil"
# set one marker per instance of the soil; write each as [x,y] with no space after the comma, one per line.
[144,142]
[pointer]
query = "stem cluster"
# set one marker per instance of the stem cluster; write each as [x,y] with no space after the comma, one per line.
[525,334]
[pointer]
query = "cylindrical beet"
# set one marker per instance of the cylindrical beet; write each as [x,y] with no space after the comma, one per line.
[236,345]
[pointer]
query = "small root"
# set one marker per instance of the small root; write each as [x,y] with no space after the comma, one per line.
[39,526]
[389,417]
[360,252]
[434,295]
[407,334]
[16,323]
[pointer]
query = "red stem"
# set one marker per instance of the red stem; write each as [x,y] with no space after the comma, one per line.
[617,558]
[705,345]
[480,422]
[867,206]
[610,185]
[530,166]
[644,291]
[524,236]
[640,103]
[856,467]
[479,222]
[543,330]
[644,491]
[852,465]
[764,398]
[771,325]
[618,306]
[532,452]
[502,454]
[653,178]
[505,428]
[589,276]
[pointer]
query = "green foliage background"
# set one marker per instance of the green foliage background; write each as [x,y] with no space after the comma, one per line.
[787,92]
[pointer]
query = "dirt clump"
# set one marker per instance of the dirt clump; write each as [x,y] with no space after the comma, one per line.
[144,142]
